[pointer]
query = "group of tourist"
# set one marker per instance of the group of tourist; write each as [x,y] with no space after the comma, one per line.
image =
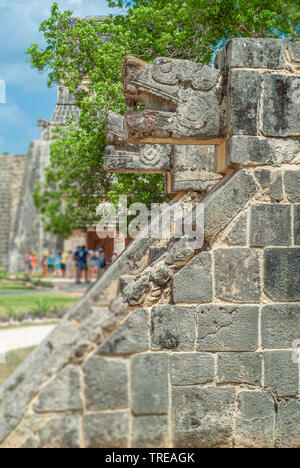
[82,262]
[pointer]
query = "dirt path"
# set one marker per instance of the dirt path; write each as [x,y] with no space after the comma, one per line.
[23,337]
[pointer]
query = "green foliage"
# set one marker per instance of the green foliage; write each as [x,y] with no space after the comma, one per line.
[192,29]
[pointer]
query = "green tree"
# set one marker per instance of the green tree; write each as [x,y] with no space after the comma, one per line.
[190,29]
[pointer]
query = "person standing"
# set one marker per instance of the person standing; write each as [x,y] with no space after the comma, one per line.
[64,262]
[81,256]
[28,263]
[58,260]
[34,263]
[44,265]
[50,264]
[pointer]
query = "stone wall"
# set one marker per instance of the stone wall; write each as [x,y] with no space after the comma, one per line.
[182,347]
[11,177]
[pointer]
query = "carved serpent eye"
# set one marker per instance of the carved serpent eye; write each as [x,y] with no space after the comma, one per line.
[163,71]
[193,113]
[150,155]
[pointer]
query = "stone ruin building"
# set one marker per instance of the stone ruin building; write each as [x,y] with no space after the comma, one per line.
[176,345]
[21,223]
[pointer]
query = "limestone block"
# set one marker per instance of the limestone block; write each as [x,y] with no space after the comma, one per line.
[237,275]
[280,106]
[149,159]
[288,432]
[255,424]
[106,430]
[280,325]
[193,283]
[105,383]
[173,327]
[221,206]
[227,328]
[191,368]
[150,431]
[292,185]
[252,53]
[202,417]
[61,432]
[238,233]
[282,274]
[244,94]
[245,150]
[193,168]
[270,224]
[62,393]
[281,373]
[132,336]
[240,368]
[149,383]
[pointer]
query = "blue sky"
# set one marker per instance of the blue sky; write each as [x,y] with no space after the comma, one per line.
[27,95]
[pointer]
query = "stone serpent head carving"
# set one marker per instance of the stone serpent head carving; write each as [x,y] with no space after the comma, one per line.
[182,102]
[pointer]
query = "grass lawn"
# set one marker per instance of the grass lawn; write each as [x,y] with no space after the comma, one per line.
[13,360]
[14,286]
[23,303]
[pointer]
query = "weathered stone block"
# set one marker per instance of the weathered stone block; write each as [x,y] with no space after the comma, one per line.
[227,328]
[238,233]
[263,176]
[288,433]
[255,423]
[252,53]
[280,109]
[150,431]
[297,224]
[149,383]
[276,186]
[61,432]
[202,417]
[222,205]
[106,430]
[192,368]
[193,168]
[245,90]
[292,183]
[193,283]
[147,159]
[132,336]
[62,393]
[173,327]
[270,224]
[240,368]
[280,325]
[282,274]
[281,373]
[245,150]
[106,383]
[294,49]
[237,275]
